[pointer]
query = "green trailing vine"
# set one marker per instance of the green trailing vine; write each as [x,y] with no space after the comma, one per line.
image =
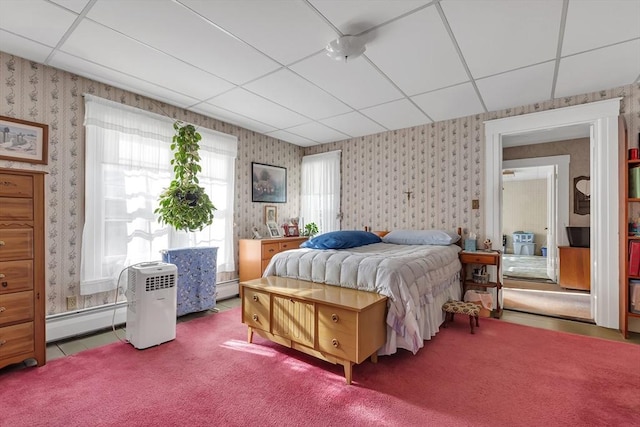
[184,204]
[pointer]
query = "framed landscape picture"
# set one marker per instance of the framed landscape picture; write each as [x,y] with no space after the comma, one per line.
[23,141]
[269,183]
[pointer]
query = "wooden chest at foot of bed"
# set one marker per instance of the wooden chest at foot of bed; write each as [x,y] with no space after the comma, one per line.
[339,325]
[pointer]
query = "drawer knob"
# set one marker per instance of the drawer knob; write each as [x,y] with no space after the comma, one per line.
[335,343]
[2,276]
[255,317]
[271,250]
[3,342]
[255,297]
[1,242]
[2,309]
[335,318]
[5,284]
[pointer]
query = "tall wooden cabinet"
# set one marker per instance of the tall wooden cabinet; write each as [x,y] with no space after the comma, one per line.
[255,254]
[22,315]
[629,213]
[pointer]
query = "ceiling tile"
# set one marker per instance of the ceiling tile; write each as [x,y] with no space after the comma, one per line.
[25,48]
[584,29]
[285,30]
[231,117]
[450,103]
[520,87]
[253,106]
[37,20]
[293,139]
[396,115]
[496,35]
[101,45]
[599,69]
[356,82]
[416,52]
[317,132]
[75,5]
[353,124]
[211,53]
[292,91]
[101,74]
[356,16]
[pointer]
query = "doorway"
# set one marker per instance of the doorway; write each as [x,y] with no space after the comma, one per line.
[602,119]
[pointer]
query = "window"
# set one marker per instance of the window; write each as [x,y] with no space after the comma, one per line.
[127,165]
[320,193]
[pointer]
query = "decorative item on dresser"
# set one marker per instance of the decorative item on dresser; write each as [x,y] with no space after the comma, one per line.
[22,316]
[255,254]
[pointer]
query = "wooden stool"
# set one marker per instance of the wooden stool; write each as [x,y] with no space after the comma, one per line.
[452,307]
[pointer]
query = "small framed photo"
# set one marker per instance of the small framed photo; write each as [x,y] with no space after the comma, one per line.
[270,214]
[274,230]
[23,141]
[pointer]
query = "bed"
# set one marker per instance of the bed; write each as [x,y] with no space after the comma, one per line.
[414,273]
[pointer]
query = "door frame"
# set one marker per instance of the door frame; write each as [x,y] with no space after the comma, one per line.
[602,117]
[561,203]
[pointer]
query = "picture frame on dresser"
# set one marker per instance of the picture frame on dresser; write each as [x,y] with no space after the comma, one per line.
[23,141]
[269,183]
[274,230]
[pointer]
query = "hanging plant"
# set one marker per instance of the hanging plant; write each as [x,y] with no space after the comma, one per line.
[185,205]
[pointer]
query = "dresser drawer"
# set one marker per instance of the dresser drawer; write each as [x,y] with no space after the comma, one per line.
[16,307]
[16,209]
[480,258]
[16,339]
[16,276]
[337,330]
[285,246]
[269,250]
[16,185]
[256,309]
[16,243]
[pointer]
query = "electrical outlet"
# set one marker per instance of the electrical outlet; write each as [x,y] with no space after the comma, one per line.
[475,204]
[72,302]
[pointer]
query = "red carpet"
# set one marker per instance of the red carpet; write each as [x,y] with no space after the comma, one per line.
[505,374]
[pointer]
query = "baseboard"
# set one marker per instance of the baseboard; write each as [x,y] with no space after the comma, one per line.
[67,325]
[227,290]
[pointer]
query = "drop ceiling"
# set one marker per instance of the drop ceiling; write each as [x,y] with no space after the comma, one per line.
[261,64]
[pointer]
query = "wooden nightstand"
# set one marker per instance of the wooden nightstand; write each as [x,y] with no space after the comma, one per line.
[482,258]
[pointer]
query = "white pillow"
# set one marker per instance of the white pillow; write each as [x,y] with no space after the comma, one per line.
[421,237]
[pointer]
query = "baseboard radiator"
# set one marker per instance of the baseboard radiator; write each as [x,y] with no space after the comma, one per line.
[81,322]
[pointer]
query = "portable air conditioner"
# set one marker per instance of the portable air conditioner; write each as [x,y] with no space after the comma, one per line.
[151,304]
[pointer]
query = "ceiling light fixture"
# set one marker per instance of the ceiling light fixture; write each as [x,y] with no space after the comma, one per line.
[345,47]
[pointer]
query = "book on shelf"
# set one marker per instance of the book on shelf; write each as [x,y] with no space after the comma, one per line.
[634,258]
[634,182]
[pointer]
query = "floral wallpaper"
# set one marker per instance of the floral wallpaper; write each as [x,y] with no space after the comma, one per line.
[427,176]
[420,177]
[38,93]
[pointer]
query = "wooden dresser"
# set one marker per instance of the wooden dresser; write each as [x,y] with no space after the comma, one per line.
[575,268]
[255,254]
[340,325]
[22,316]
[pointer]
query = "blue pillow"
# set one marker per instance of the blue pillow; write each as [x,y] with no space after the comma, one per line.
[341,240]
[421,237]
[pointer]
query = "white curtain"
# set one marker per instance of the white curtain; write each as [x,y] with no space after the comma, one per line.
[127,165]
[320,192]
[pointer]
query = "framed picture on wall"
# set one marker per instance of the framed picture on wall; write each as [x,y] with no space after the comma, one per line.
[270,214]
[269,183]
[23,141]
